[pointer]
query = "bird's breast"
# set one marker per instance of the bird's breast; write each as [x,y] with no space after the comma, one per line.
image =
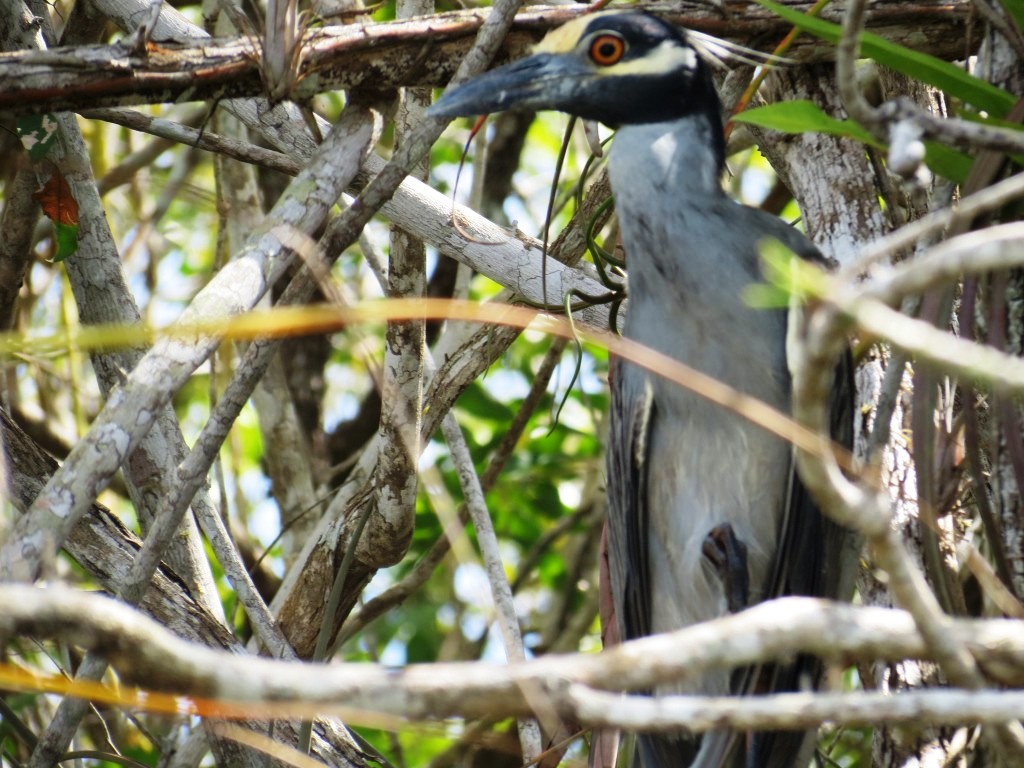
[689,260]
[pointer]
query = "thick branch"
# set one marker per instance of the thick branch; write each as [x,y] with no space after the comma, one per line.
[148,654]
[416,52]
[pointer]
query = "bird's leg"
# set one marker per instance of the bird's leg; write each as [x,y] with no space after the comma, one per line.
[729,556]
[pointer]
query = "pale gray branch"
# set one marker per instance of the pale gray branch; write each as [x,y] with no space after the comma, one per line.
[145,653]
[793,711]
[415,52]
[130,410]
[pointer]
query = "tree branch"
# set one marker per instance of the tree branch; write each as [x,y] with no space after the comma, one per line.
[147,654]
[416,52]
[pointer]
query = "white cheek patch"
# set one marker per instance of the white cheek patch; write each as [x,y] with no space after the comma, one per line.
[669,56]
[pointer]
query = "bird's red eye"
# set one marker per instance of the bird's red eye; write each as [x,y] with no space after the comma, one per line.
[606,50]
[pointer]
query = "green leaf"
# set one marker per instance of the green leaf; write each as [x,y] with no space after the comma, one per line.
[947,162]
[763,296]
[928,69]
[38,134]
[1016,9]
[786,275]
[803,116]
[67,240]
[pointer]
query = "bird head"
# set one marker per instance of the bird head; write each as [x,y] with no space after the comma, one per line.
[619,68]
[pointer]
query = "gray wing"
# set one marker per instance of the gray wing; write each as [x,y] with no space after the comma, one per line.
[633,417]
[809,558]
[632,410]
[806,560]
[809,561]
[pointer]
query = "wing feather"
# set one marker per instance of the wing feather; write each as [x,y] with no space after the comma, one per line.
[633,417]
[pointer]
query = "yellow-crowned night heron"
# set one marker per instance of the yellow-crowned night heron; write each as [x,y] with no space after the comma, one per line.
[706,514]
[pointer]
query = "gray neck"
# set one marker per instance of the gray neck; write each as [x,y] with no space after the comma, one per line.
[690,254]
[677,224]
[676,158]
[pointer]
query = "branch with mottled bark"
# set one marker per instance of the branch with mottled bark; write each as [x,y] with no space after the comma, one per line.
[412,52]
[146,654]
[128,414]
